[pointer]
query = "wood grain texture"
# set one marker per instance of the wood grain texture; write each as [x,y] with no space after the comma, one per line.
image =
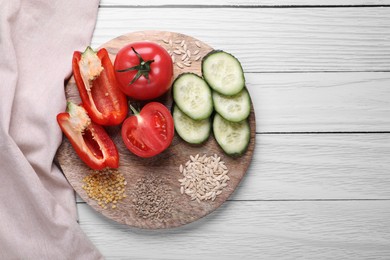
[255,230]
[270,39]
[237,3]
[320,102]
[164,166]
[305,196]
[317,167]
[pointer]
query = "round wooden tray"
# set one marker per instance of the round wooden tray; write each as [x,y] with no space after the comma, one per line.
[164,166]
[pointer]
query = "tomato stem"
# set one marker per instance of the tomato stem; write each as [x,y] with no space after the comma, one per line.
[143,68]
[135,111]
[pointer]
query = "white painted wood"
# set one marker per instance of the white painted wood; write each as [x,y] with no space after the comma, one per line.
[306,195]
[244,3]
[320,102]
[270,39]
[255,230]
[317,166]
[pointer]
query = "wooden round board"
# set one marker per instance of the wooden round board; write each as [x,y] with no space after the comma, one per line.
[164,166]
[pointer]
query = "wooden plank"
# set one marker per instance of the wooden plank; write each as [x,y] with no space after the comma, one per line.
[164,166]
[276,39]
[320,102]
[246,3]
[255,230]
[317,167]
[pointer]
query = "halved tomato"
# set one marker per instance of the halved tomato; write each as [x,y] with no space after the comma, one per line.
[150,131]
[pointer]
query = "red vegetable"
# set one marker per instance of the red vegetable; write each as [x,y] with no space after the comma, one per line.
[90,141]
[149,132]
[144,70]
[99,91]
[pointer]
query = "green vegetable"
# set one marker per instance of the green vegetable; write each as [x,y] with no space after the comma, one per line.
[232,137]
[223,72]
[193,96]
[190,130]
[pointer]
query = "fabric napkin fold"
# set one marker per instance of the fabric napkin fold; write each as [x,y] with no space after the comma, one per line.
[37,204]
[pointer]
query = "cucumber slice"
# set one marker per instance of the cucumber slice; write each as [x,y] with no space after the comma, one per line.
[232,137]
[193,96]
[190,130]
[233,108]
[223,72]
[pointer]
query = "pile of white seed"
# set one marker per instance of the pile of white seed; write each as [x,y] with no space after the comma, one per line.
[204,177]
[180,52]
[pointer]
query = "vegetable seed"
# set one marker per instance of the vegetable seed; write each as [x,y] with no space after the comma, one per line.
[153,199]
[180,48]
[204,177]
[106,186]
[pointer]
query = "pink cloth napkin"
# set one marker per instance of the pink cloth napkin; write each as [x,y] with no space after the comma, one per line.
[37,205]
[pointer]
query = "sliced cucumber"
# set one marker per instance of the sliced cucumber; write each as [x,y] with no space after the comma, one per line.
[223,72]
[193,96]
[232,137]
[190,130]
[233,108]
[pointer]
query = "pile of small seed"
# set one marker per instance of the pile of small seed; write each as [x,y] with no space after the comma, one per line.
[180,52]
[153,199]
[107,187]
[204,177]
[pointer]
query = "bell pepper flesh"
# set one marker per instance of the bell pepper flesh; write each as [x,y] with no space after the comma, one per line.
[90,141]
[105,103]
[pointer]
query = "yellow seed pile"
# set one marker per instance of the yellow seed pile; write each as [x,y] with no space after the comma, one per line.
[106,187]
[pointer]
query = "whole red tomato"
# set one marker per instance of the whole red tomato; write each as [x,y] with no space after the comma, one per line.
[149,132]
[144,70]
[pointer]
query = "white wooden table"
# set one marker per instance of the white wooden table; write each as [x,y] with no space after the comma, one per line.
[319,184]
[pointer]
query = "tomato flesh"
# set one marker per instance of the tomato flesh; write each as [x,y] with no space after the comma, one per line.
[135,140]
[150,132]
[160,125]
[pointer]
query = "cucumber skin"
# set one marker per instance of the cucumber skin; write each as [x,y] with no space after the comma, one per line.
[218,109]
[175,98]
[175,108]
[216,52]
[236,153]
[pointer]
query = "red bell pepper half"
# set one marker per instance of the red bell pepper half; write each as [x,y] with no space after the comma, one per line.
[90,141]
[95,78]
